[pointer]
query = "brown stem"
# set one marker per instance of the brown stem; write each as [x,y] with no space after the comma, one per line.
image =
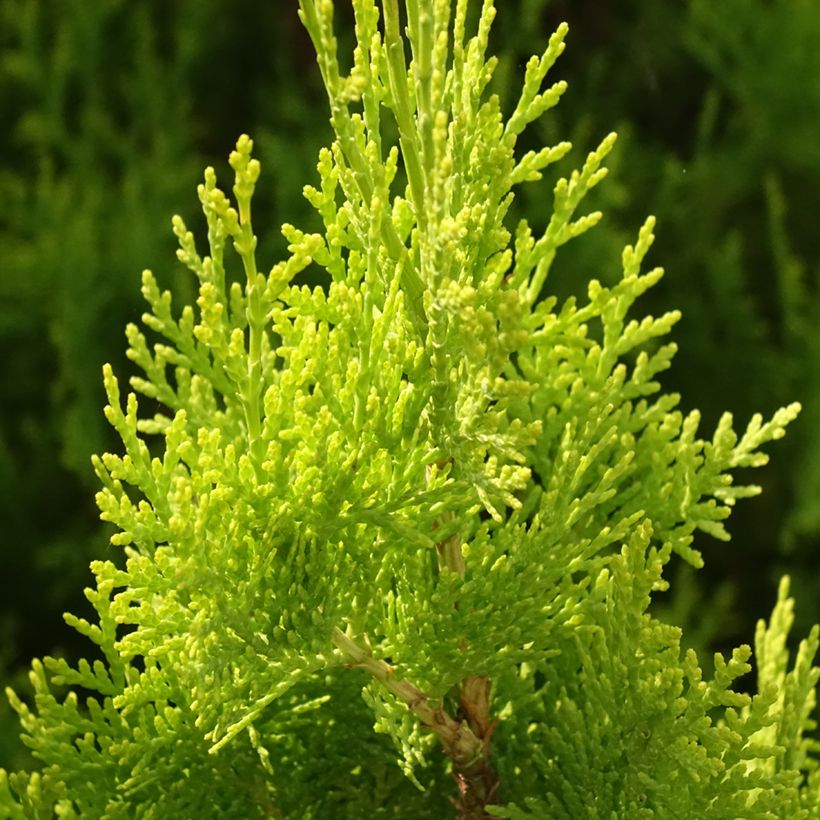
[474,775]
[465,738]
[476,779]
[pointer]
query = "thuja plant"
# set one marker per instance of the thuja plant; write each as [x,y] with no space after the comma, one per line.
[391,541]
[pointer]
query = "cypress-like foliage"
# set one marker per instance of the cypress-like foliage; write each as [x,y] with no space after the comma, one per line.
[424,498]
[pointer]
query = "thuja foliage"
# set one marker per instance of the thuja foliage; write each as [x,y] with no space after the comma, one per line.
[391,543]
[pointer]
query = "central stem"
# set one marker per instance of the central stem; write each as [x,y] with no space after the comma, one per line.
[464,738]
[475,777]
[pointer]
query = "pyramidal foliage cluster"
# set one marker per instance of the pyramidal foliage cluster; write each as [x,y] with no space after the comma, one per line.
[390,543]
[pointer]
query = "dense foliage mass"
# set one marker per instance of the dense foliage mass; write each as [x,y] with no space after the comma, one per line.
[426,496]
[111,108]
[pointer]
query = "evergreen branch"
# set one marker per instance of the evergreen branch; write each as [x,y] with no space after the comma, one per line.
[429,451]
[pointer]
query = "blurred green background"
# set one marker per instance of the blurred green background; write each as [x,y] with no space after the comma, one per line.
[110,110]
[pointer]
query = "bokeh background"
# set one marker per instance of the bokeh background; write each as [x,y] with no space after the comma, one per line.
[111,109]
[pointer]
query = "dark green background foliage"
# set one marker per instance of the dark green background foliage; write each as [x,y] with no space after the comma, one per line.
[110,110]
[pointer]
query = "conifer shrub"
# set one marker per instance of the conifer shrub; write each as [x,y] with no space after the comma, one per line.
[391,541]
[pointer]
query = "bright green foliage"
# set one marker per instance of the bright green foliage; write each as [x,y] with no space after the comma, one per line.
[424,495]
